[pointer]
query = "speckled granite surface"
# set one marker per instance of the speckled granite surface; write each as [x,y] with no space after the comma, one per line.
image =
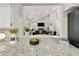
[47,47]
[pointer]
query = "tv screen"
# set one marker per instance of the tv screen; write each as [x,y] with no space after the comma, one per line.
[40,24]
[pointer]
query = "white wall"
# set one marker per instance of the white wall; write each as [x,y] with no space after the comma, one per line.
[4,15]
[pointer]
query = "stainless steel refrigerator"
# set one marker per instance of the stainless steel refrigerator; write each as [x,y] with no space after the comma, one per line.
[73,28]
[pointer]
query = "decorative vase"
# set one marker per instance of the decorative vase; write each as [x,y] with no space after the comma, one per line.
[26,33]
[13,40]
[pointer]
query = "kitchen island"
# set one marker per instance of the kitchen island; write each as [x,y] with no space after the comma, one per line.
[48,46]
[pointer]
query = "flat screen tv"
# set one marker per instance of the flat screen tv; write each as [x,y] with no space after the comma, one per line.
[40,24]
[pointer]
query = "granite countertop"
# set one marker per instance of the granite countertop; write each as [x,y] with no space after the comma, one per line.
[47,47]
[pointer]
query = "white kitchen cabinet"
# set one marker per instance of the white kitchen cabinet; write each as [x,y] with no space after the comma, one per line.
[4,15]
[68,7]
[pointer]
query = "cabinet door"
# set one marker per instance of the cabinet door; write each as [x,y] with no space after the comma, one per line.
[4,16]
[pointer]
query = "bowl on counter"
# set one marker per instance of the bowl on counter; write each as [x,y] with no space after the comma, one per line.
[34,41]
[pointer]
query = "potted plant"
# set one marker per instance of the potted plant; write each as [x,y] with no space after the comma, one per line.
[13,32]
